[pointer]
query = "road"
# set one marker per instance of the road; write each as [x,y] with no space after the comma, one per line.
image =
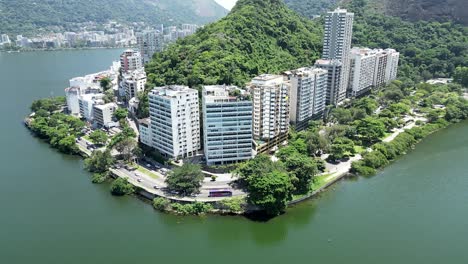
[157,185]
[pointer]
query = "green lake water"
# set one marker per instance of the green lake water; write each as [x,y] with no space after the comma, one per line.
[416,211]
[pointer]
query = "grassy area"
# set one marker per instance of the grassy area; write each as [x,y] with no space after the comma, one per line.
[359,149]
[147,172]
[87,138]
[320,181]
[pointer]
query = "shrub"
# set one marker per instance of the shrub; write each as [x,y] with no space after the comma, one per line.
[121,187]
[161,204]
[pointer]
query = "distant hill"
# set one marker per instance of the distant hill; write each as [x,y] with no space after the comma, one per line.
[438,10]
[27,16]
[411,10]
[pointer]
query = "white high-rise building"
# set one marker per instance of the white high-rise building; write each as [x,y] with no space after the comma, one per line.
[133,83]
[227,124]
[130,60]
[307,96]
[371,68]
[72,95]
[150,42]
[87,103]
[270,95]
[362,70]
[337,44]
[334,70]
[175,121]
[386,67]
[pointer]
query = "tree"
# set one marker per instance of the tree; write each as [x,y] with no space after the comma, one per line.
[285,152]
[161,204]
[399,108]
[109,96]
[121,187]
[341,148]
[316,143]
[186,180]
[99,162]
[271,191]
[68,145]
[268,184]
[302,170]
[461,76]
[105,83]
[369,105]
[126,148]
[98,137]
[121,113]
[341,115]
[370,129]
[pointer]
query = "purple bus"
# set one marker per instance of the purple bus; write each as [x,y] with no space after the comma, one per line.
[220,193]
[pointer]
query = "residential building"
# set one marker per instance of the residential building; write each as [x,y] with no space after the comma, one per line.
[270,95]
[103,115]
[150,42]
[386,67]
[307,96]
[334,70]
[371,68]
[175,121]
[227,124]
[87,103]
[363,63]
[133,83]
[144,129]
[336,46]
[5,39]
[72,95]
[130,60]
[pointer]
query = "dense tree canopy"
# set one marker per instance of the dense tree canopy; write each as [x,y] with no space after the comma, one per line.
[186,180]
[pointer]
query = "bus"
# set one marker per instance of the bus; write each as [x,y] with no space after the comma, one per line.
[220,193]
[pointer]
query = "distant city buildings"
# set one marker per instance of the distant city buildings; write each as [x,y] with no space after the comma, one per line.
[227,124]
[307,96]
[4,40]
[270,95]
[154,40]
[175,121]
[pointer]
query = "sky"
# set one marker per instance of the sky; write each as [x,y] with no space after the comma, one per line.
[228,4]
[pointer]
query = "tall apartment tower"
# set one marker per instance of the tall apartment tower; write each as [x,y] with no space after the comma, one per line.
[175,121]
[337,44]
[307,96]
[227,124]
[334,70]
[270,95]
[150,42]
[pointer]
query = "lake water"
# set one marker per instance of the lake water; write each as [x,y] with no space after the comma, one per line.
[416,211]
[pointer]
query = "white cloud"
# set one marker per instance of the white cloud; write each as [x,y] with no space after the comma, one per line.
[228,4]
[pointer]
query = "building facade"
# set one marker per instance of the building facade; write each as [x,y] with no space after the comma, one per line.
[363,62]
[227,125]
[334,70]
[336,46]
[87,103]
[175,121]
[130,60]
[132,83]
[270,94]
[104,115]
[307,95]
[150,42]
[144,129]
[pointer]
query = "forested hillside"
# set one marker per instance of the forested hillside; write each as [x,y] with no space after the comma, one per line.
[428,49]
[26,16]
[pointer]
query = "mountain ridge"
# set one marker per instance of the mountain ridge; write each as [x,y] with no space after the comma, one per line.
[27,17]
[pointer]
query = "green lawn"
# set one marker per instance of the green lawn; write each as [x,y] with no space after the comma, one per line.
[147,172]
[87,138]
[359,149]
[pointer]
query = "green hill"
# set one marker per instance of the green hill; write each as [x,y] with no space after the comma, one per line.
[258,36]
[26,16]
